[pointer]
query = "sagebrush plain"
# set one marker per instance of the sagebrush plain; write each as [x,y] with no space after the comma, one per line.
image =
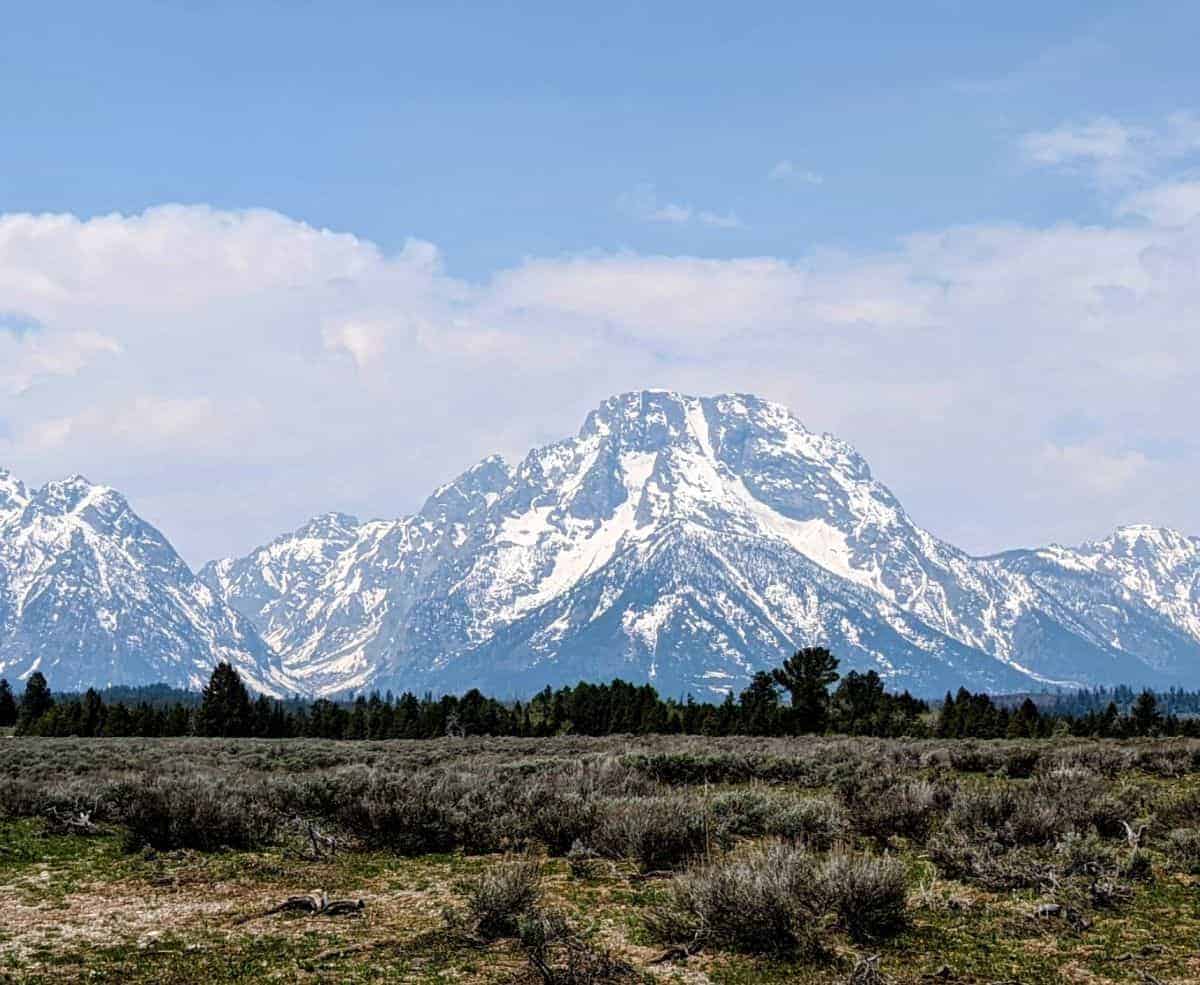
[621,859]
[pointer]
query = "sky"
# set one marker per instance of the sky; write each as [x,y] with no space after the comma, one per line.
[264,260]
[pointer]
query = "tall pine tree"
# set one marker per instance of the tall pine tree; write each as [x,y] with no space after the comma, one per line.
[8,705]
[225,709]
[35,703]
[806,676]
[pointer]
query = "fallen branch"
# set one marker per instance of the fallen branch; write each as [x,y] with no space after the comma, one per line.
[314,904]
[77,823]
[681,952]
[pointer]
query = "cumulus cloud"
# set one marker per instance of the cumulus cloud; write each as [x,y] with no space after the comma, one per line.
[236,372]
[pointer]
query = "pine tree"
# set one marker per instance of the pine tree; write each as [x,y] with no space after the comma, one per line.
[8,705]
[225,709]
[1145,714]
[92,714]
[35,703]
[760,706]
[806,676]
[1024,724]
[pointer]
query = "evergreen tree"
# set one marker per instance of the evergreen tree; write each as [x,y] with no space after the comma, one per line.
[225,709]
[8,705]
[92,714]
[860,705]
[806,676]
[1145,715]
[1024,724]
[35,703]
[947,720]
[759,706]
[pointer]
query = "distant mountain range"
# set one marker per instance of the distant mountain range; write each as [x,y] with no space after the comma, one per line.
[679,540]
[92,594]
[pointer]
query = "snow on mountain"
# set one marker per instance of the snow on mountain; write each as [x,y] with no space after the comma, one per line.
[1135,594]
[690,541]
[90,594]
[681,540]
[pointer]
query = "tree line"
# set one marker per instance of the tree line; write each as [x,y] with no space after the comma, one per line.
[804,695]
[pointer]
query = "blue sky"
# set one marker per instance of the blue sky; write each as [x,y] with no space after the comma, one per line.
[567,196]
[500,131]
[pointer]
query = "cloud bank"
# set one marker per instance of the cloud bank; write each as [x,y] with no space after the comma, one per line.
[236,372]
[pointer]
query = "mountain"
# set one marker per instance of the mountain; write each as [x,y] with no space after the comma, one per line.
[691,541]
[90,594]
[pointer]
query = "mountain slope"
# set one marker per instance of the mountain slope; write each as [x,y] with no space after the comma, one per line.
[691,541]
[90,594]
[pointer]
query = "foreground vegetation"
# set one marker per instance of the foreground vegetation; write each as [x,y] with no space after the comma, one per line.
[618,859]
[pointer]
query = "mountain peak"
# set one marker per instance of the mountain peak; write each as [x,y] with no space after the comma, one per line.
[12,490]
[684,540]
[474,490]
[91,595]
[329,525]
[76,494]
[1144,538]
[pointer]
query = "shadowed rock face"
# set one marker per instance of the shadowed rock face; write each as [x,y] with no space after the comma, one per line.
[691,541]
[90,594]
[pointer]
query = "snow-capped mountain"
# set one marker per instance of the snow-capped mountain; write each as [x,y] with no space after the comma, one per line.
[90,594]
[691,541]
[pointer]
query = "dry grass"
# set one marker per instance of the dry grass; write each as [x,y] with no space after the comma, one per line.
[777,860]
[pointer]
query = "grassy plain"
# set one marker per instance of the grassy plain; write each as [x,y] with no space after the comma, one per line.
[666,859]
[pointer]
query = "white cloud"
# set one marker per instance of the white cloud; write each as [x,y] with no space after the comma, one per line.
[1113,152]
[726,220]
[267,370]
[1175,203]
[364,341]
[150,424]
[1099,141]
[643,204]
[27,358]
[786,170]
[1097,469]
[670,212]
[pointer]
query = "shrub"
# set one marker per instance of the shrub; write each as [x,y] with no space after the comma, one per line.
[191,813]
[1020,763]
[1183,848]
[401,815]
[1181,808]
[967,757]
[759,903]
[868,894]
[1137,866]
[1007,816]
[657,832]
[583,861]
[558,819]
[500,896]
[883,805]
[480,816]
[558,954]
[744,813]
[1086,855]
[814,822]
